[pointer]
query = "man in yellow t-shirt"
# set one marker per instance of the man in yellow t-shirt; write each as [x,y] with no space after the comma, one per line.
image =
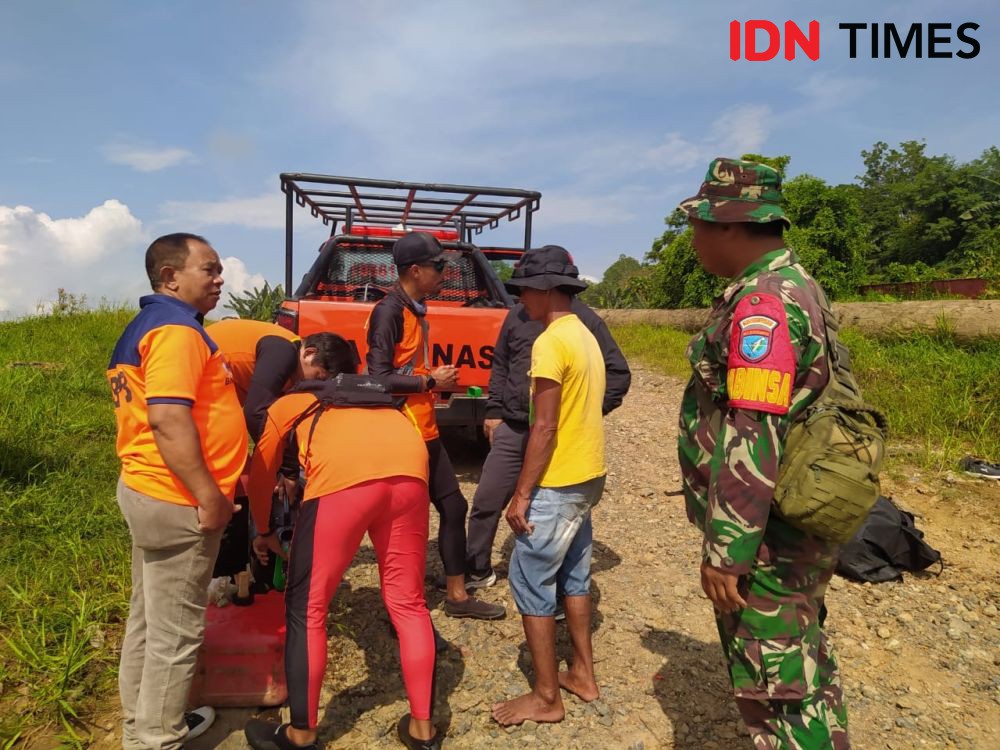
[561,480]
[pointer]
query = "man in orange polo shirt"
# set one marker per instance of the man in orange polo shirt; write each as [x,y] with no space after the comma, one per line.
[182,444]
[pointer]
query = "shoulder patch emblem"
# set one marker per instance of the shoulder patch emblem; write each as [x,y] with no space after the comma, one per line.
[755,337]
[760,370]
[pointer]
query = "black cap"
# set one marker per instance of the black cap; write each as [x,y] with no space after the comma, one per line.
[418,247]
[545,268]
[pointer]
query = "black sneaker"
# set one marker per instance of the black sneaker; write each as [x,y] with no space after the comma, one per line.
[480,580]
[266,735]
[473,581]
[977,467]
[198,721]
[474,608]
[403,732]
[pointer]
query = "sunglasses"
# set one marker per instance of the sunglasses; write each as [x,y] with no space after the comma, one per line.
[437,265]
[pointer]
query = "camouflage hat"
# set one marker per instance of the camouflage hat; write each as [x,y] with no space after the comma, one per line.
[737,191]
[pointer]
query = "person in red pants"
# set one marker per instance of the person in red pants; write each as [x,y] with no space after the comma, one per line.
[353,486]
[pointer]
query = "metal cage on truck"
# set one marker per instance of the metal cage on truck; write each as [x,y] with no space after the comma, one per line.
[342,202]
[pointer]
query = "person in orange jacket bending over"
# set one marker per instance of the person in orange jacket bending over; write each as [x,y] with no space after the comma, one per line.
[353,485]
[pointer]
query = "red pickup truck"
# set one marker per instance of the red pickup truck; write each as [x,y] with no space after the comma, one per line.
[354,268]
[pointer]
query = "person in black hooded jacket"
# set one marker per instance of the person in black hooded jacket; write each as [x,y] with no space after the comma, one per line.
[506,423]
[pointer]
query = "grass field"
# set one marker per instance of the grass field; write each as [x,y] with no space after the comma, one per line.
[65,552]
[64,558]
[941,396]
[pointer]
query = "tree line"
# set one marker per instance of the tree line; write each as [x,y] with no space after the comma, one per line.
[909,217]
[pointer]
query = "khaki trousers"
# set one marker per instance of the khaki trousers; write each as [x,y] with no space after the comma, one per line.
[172,563]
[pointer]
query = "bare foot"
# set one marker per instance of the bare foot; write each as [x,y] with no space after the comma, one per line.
[527,706]
[584,689]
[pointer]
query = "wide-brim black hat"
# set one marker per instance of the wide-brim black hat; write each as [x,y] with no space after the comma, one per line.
[545,268]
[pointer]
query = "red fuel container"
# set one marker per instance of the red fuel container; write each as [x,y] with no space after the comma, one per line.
[242,660]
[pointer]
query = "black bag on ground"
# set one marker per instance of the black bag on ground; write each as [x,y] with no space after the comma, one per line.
[886,545]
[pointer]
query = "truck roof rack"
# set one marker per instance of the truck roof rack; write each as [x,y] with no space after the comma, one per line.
[424,205]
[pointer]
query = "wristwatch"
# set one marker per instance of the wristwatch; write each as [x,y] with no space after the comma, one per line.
[431,382]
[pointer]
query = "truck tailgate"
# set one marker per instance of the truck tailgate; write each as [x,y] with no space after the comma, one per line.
[459,336]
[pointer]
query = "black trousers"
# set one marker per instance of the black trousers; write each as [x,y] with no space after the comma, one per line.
[496,486]
[451,505]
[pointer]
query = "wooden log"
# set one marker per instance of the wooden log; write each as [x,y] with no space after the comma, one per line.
[967,319]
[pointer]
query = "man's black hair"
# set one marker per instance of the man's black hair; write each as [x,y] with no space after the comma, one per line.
[169,250]
[334,353]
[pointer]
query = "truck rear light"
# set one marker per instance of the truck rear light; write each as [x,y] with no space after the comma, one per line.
[399,230]
[287,319]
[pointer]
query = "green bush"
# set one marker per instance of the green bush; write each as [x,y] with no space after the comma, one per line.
[259,303]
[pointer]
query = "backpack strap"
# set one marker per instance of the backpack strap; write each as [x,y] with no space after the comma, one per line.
[841,389]
[315,410]
[838,356]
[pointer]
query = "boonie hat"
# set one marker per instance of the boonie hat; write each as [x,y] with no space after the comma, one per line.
[419,247]
[545,268]
[738,191]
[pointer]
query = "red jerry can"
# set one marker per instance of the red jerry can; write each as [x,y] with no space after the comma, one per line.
[242,659]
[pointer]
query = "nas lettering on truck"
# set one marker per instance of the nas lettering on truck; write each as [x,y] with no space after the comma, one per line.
[445,355]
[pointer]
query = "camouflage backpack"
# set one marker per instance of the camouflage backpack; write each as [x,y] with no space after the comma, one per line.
[828,479]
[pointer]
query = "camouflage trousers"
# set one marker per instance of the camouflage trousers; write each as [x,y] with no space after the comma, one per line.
[784,675]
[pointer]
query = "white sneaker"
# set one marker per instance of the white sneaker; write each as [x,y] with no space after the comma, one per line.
[198,721]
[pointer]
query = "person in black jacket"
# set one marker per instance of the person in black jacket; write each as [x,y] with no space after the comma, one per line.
[506,423]
[399,356]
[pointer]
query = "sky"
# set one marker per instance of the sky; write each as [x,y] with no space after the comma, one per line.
[123,121]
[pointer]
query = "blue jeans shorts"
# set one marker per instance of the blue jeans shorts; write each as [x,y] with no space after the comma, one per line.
[554,559]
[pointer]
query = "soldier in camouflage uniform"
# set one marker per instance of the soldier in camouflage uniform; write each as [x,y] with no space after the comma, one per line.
[758,362]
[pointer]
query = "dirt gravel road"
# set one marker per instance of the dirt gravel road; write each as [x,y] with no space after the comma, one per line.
[920,658]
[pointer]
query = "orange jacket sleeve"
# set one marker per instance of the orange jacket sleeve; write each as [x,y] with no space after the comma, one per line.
[267,455]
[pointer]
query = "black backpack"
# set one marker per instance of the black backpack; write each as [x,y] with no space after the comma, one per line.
[347,389]
[887,544]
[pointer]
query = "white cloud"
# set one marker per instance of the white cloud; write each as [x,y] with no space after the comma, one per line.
[238,278]
[100,255]
[146,159]
[675,152]
[611,162]
[262,212]
[740,129]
